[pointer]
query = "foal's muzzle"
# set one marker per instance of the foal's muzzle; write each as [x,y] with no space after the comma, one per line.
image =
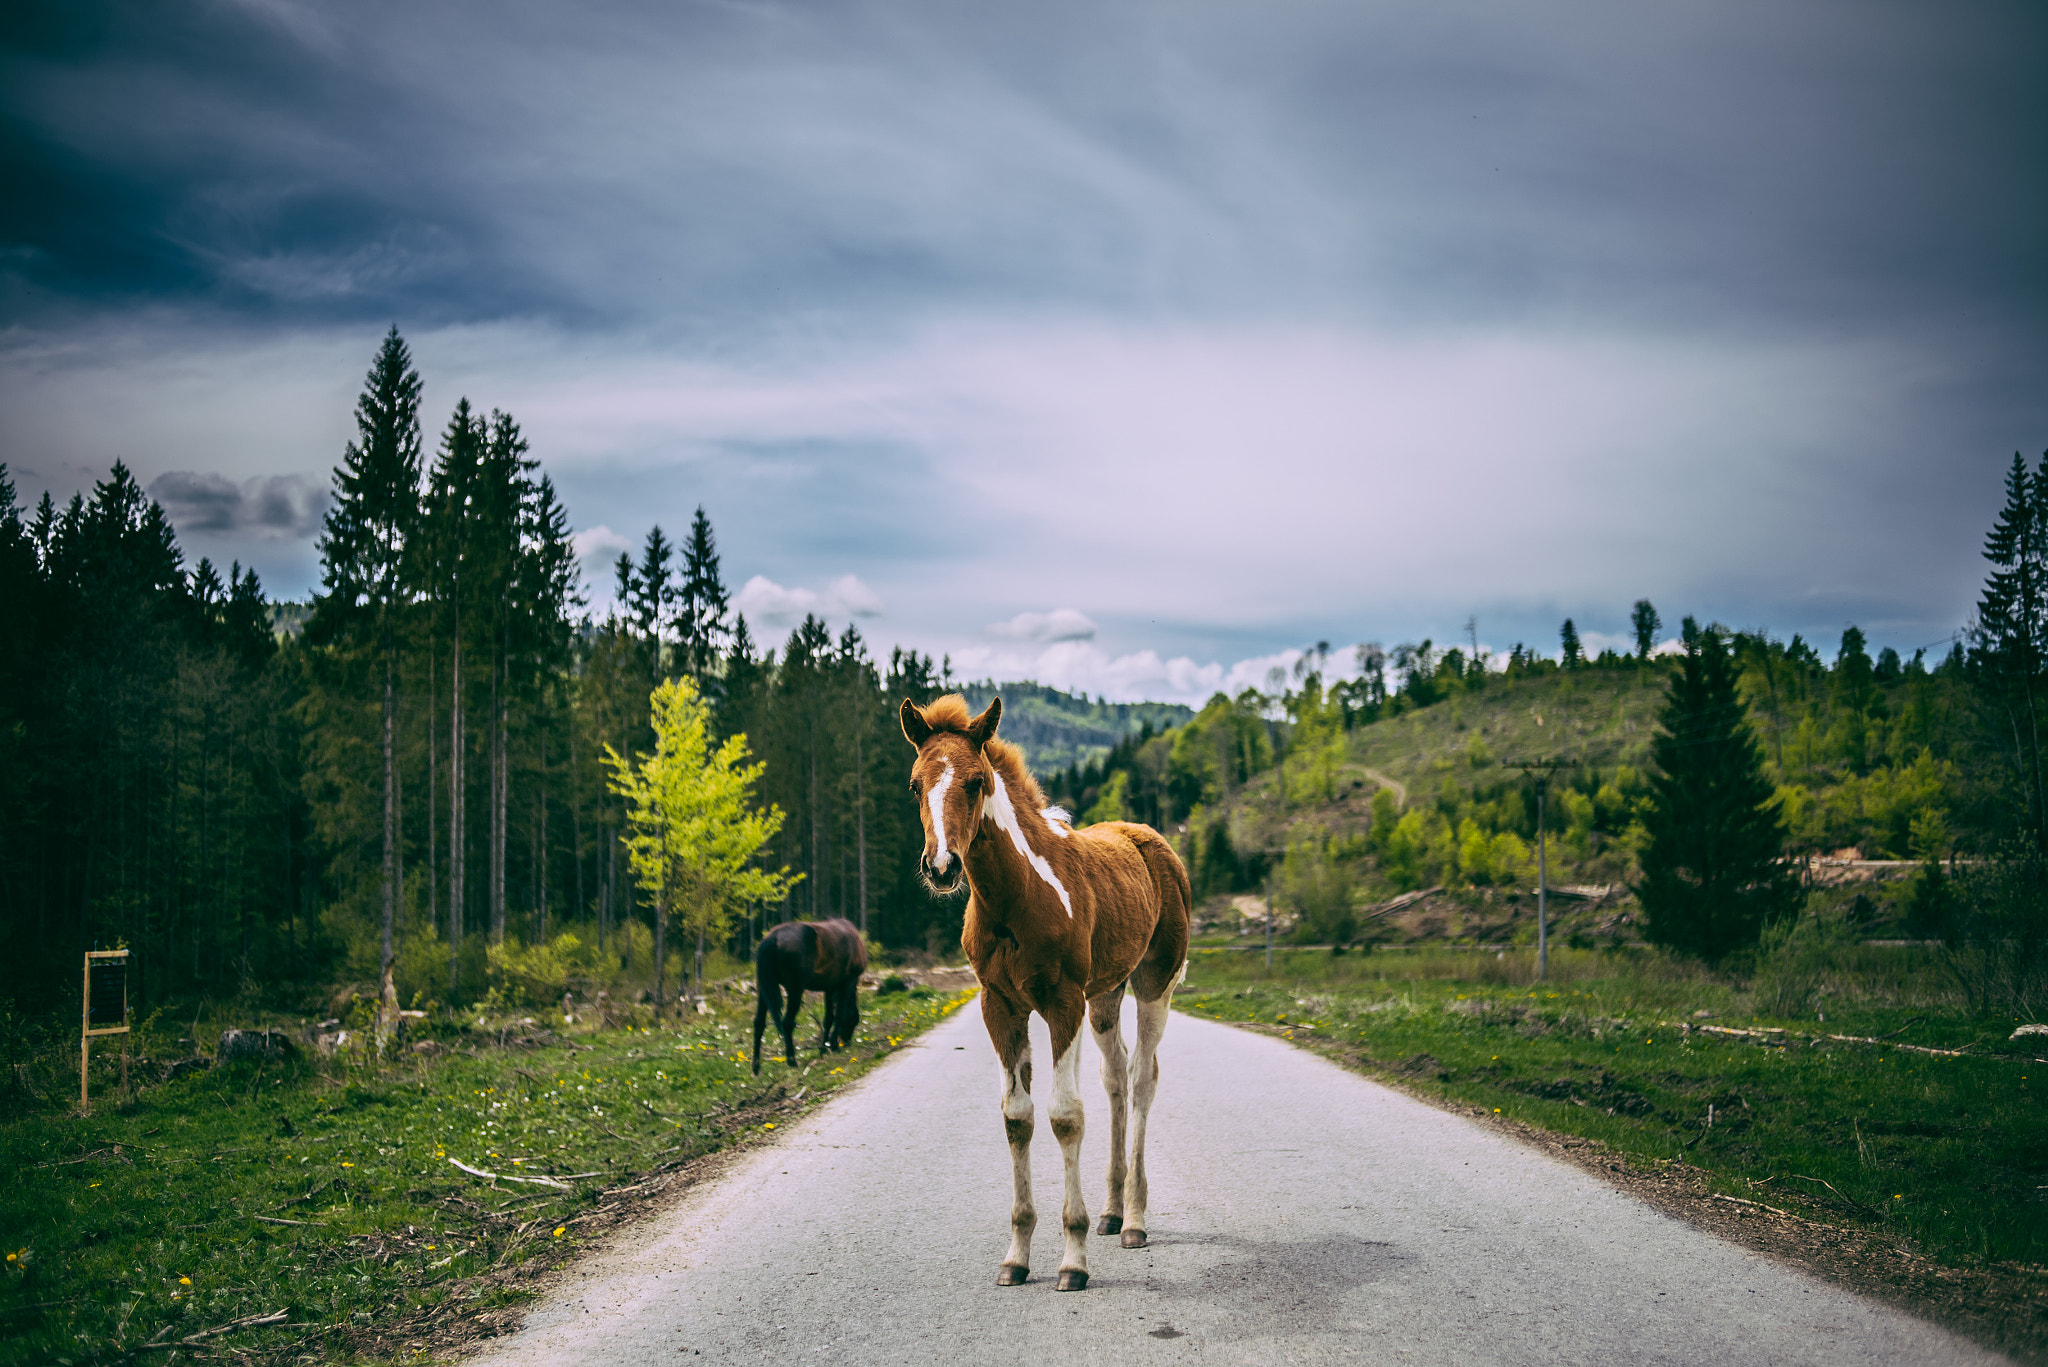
[943,881]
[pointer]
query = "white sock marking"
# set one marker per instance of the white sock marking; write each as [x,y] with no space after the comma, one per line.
[1006,821]
[937,797]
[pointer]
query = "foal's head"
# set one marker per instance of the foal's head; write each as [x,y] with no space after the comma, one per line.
[951,778]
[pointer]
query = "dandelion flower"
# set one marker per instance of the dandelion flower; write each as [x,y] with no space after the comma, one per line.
[348,1165]
[559,1230]
[184,1281]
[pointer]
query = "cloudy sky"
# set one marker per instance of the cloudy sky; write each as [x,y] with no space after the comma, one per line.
[1128,345]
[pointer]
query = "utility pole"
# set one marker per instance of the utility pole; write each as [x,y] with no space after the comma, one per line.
[1269,923]
[1541,770]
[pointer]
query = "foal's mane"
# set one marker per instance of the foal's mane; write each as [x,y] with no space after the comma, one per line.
[951,713]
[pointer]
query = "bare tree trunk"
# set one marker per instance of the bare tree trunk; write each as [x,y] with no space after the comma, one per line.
[860,825]
[457,825]
[387,994]
[433,803]
[540,864]
[499,788]
[660,948]
[576,822]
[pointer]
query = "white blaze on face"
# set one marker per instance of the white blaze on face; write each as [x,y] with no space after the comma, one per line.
[937,798]
[1006,821]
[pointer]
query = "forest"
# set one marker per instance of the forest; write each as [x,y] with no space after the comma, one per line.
[268,800]
[406,778]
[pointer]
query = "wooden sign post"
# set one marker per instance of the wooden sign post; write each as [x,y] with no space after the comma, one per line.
[105,1011]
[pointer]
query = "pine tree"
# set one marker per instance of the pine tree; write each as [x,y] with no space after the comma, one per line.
[1646,623]
[2011,632]
[1570,637]
[701,604]
[1712,872]
[652,596]
[368,551]
[455,559]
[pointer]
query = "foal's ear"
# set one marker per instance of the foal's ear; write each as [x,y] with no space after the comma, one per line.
[983,727]
[915,729]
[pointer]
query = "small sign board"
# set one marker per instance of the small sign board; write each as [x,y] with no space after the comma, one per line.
[106,992]
[104,1011]
[107,997]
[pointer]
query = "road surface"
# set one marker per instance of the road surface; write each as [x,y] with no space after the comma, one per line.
[1300,1214]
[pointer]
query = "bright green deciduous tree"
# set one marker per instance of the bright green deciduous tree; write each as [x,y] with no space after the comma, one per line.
[1712,871]
[695,830]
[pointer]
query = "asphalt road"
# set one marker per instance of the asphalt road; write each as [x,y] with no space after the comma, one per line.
[1300,1214]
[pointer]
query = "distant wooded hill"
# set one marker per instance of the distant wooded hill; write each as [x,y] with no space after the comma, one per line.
[1057,730]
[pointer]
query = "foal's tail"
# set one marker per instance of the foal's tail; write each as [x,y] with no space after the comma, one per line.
[767,996]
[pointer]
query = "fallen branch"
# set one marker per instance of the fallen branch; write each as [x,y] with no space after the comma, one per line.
[508,1177]
[274,1220]
[1800,1177]
[190,1340]
[1737,1200]
[1778,1032]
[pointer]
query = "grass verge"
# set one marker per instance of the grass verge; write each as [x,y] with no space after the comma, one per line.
[302,1210]
[1945,1154]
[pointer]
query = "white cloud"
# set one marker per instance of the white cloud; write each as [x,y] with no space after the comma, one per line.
[764,600]
[597,547]
[1061,624]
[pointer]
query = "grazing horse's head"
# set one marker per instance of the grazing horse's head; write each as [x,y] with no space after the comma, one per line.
[951,779]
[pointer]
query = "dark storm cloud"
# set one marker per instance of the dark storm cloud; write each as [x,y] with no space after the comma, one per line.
[707,165]
[276,507]
[1738,305]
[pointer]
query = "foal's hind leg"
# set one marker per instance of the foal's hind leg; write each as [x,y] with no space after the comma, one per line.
[1144,1085]
[1105,1014]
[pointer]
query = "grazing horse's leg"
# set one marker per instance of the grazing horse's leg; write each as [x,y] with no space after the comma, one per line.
[1064,1017]
[1144,1084]
[790,1011]
[1105,1013]
[831,1019]
[1009,1030]
[849,1013]
[767,995]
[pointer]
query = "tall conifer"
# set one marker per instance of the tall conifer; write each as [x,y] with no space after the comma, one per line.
[368,550]
[1712,870]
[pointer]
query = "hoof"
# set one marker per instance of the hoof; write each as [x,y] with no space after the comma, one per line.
[1134,1238]
[1012,1275]
[1109,1224]
[1072,1280]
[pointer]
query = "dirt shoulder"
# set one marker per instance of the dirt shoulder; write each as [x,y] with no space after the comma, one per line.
[2003,1306]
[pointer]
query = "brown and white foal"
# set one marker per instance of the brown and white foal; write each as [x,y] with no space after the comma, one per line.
[1059,921]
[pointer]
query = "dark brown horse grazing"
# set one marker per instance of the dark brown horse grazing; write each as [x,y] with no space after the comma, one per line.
[1059,921]
[801,956]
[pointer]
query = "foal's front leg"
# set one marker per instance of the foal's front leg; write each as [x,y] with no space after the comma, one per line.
[1008,1025]
[1064,1018]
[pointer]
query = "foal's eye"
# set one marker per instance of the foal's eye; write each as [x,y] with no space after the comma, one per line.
[913,787]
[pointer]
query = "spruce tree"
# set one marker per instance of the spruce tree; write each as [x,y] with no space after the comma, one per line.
[1646,623]
[368,551]
[1570,638]
[1712,872]
[2011,631]
[701,604]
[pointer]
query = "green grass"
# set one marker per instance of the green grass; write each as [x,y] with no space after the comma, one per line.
[140,1221]
[1952,1152]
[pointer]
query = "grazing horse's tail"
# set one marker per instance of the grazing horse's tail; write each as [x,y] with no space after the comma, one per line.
[767,993]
